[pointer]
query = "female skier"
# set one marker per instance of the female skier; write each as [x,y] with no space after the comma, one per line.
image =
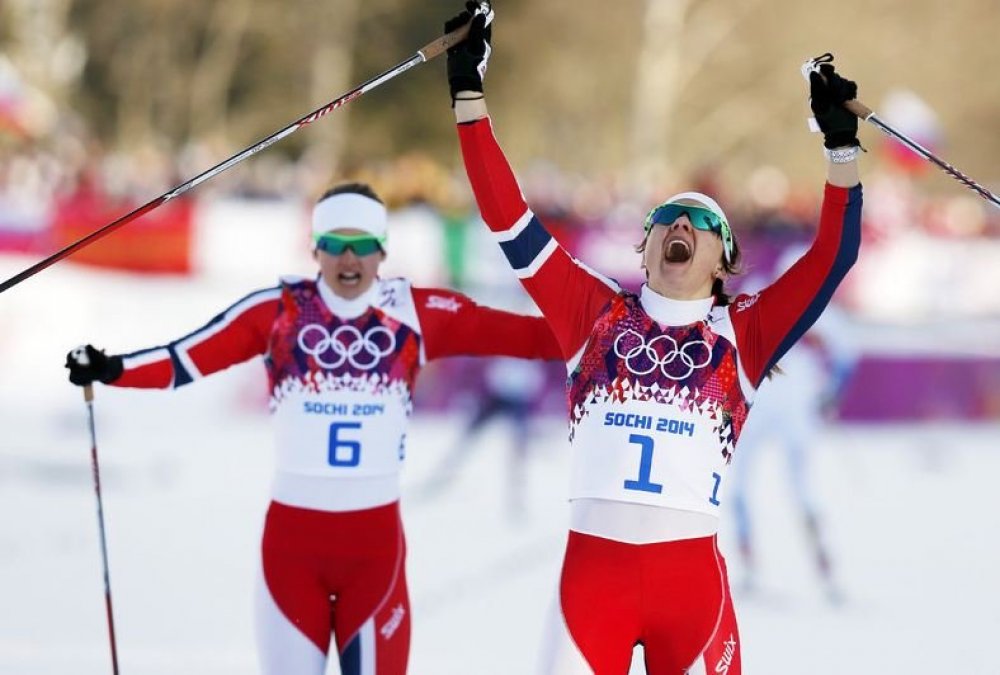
[660,384]
[342,353]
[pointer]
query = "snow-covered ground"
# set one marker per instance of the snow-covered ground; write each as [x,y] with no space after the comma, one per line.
[911,516]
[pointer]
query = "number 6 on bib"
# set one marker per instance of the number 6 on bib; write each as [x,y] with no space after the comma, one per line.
[344,452]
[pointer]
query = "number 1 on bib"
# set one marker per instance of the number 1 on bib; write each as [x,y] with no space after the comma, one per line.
[643,484]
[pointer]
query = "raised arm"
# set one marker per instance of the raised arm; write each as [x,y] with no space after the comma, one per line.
[233,336]
[769,323]
[454,325]
[569,294]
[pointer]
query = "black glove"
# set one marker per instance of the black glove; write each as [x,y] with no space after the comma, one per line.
[467,60]
[827,93]
[87,364]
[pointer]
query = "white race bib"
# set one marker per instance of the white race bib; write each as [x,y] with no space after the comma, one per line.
[648,452]
[340,434]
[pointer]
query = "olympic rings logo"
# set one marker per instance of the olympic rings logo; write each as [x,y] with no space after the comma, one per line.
[690,356]
[347,343]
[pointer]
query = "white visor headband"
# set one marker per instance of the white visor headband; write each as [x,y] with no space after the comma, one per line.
[702,199]
[349,211]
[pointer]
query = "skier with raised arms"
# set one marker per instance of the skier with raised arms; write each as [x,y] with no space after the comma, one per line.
[660,384]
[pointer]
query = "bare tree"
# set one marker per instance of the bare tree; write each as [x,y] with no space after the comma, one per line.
[40,46]
[675,46]
[214,70]
[331,68]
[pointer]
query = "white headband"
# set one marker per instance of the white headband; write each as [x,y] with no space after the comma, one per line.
[349,211]
[702,199]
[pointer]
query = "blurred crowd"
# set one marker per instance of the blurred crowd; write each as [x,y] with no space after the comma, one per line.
[36,174]
[917,289]
[933,246]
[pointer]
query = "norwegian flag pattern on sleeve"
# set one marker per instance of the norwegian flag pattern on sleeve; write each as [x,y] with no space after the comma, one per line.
[570,295]
[237,334]
[455,325]
[768,323]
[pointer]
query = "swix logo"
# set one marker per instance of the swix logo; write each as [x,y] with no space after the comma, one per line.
[748,303]
[727,655]
[441,302]
[390,626]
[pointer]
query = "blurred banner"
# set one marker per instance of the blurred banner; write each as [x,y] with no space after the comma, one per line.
[159,242]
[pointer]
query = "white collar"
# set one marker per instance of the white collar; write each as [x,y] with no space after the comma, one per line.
[344,308]
[669,312]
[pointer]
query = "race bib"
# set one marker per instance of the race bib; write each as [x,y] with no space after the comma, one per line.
[340,434]
[646,452]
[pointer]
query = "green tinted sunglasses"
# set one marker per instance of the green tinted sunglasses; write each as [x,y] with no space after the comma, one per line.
[702,219]
[361,244]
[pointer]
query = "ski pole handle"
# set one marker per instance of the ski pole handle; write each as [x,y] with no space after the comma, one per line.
[80,354]
[868,115]
[858,108]
[445,42]
[812,66]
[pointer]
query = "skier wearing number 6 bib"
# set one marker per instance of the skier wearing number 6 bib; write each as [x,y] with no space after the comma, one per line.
[660,384]
[342,353]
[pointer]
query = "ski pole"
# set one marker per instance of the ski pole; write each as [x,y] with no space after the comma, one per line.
[88,397]
[865,113]
[428,52]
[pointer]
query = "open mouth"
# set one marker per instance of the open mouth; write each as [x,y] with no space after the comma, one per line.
[677,251]
[349,278]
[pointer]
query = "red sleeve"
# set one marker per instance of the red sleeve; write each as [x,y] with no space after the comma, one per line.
[769,323]
[237,334]
[454,325]
[569,294]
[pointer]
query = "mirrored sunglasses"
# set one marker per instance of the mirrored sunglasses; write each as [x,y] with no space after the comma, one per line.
[702,219]
[362,245]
